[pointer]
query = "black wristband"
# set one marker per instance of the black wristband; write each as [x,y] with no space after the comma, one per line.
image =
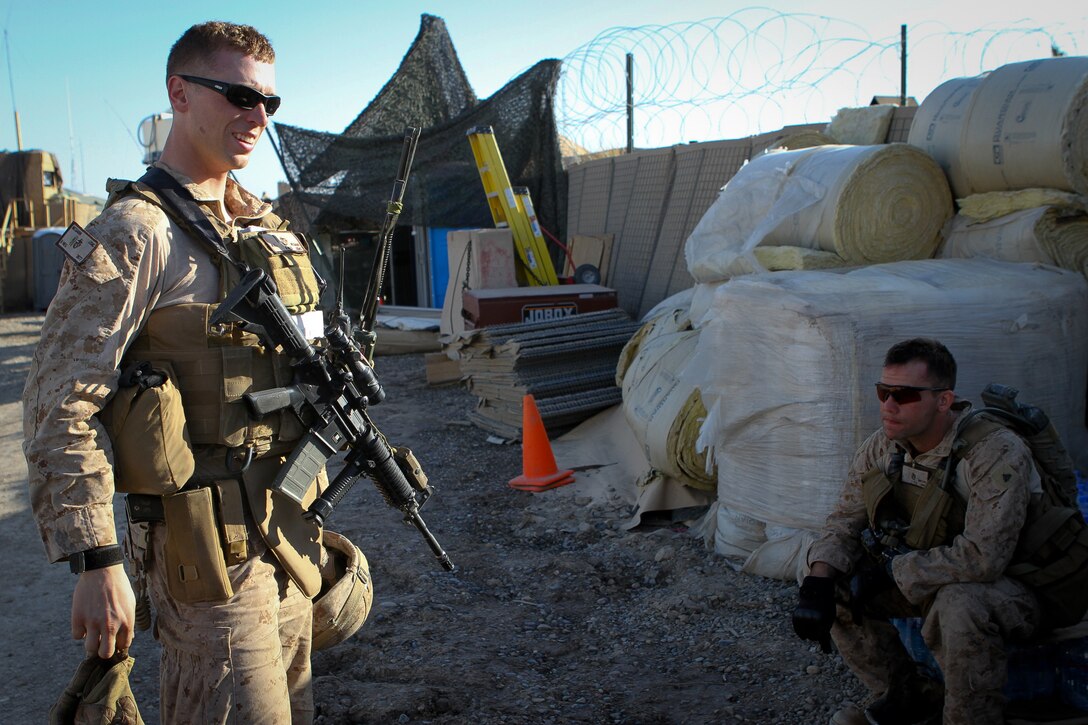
[96,558]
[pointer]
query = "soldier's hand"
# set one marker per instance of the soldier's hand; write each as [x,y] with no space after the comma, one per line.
[104,611]
[815,612]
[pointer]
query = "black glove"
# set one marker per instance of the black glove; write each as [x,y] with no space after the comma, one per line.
[815,612]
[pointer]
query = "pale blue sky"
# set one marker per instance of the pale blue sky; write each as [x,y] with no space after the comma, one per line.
[106,60]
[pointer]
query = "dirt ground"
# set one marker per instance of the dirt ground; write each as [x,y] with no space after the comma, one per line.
[555,614]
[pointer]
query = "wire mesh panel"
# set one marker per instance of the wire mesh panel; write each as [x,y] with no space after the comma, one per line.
[899,129]
[668,261]
[595,192]
[641,225]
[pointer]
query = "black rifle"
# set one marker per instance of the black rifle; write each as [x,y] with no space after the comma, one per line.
[882,542]
[332,389]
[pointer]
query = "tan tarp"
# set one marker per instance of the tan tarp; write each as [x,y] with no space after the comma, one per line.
[610,466]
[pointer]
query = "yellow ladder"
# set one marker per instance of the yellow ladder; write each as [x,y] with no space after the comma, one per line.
[511,208]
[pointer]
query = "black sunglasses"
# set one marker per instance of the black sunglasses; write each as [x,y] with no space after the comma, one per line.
[242,96]
[902,394]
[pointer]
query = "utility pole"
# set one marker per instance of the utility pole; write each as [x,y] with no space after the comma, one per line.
[903,65]
[630,103]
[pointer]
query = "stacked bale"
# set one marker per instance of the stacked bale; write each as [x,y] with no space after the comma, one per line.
[860,204]
[1050,234]
[1014,144]
[664,410]
[1021,126]
[790,359]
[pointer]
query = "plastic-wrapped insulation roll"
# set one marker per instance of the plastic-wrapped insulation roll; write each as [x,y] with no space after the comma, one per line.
[1046,234]
[665,411]
[1023,125]
[868,204]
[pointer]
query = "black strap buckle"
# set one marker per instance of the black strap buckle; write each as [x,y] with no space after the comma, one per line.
[141,373]
[96,558]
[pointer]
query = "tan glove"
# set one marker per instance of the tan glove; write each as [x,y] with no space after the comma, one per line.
[99,694]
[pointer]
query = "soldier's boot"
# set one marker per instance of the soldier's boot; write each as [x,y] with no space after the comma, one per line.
[851,714]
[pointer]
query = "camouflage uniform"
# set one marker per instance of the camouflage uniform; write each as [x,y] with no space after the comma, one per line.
[214,664]
[970,608]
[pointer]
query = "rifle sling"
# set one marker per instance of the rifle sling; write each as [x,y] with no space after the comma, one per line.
[186,210]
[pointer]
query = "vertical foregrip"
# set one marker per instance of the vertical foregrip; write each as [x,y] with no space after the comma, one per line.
[323,506]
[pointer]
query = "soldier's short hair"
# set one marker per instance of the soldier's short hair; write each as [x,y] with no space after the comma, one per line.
[939,361]
[200,41]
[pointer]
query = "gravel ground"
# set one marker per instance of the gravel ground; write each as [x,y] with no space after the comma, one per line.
[555,614]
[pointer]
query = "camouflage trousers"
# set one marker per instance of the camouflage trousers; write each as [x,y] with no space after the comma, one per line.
[242,660]
[966,627]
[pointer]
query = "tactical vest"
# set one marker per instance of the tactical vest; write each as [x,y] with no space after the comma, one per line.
[215,366]
[1051,555]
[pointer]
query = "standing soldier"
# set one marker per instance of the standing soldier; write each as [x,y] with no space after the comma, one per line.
[131,390]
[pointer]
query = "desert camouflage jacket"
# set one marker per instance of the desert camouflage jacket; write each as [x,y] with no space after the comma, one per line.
[142,261]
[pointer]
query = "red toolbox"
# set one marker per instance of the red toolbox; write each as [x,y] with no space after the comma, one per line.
[483,307]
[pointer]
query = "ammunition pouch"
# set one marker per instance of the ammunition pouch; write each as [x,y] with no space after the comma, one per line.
[146,424]
[214,372]
[195,567]
[285,258]
[206,533]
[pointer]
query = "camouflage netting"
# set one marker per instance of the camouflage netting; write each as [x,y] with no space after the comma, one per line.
[343,181]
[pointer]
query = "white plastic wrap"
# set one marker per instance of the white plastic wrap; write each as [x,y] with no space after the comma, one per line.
[755,201]
[1011,238]
[730,533]
[664,411]
[865,203]
[787,361]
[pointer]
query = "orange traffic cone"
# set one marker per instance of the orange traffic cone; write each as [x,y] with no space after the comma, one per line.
[539,472]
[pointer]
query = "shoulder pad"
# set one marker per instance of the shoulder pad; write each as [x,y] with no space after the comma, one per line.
[273,221]
[120,188]
[980,426]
